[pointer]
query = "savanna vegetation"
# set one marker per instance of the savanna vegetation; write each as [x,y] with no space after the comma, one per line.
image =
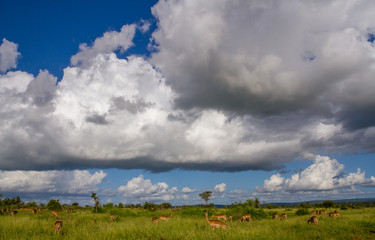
[355,221]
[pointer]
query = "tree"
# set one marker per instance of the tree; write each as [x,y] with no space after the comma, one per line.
[97,207]
[206,196]
[328,204]
[54,205]
[75,204]
[256,203]
[120,205]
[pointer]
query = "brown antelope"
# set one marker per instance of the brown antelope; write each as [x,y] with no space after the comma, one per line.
[275,216]
[323,212]
[284,216]
[34,210]
[56,214]
[112,217]
[12,212]
[215,223]
[69,210]
[334,214]
[155,219]
[220,216]
[58,226]
[165,218]
[313,219]
[246,216]
[313,212]
[230,217]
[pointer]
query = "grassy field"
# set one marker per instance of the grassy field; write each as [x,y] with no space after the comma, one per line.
[136,224]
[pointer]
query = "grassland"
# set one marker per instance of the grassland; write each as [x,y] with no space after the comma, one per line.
[136,224]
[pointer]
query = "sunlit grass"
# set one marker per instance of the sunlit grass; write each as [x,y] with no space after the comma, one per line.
[136,224]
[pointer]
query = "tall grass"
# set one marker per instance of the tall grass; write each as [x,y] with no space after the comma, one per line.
[185,224]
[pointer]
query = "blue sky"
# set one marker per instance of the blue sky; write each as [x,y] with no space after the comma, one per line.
[162,100]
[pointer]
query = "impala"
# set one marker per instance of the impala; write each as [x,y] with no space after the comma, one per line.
[34,210]
[284,215]
[215,223]
[246,216]
[56,214]
[334,214]
[313,219]
[112,217]
[220,216]
[165,218]
[230,217]
[58,226]
[275,216]
[155,219]
[12,212]
[313,212]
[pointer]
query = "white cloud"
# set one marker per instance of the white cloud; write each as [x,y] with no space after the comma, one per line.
[220,188]
[188,190]
[324,174]
[8,55]
[59,182]
[141,189]
[109,42]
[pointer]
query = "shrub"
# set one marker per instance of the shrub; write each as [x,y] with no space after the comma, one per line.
[302,211]
[54,205]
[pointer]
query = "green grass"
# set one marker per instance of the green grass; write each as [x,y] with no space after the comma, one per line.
[136,224]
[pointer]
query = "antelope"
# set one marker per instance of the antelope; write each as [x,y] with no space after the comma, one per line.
[323,212]
[58,226]
[112,217]
[230,217]
[12,212]
[155,219]
[313,212]
[34,210]
[284,215]
[275,216]
[246,216]
[68,210]
[56,214]
[215,223]
[334,214]
[165,218]
[220,216]
[313,219]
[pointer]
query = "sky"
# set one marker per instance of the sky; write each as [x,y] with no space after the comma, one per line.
[160,101]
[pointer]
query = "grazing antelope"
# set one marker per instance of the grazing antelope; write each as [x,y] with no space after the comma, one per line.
[56,214]
[334,214]
[58,226]
[34,210]
[69,210]
[313,219]
[313,212]
[230,217]
[215,223]
[165,218]
[284,216]
[155,219]
[220,216]
[112,217]
[275,216]
[246,216]
[323,212]
[12,212]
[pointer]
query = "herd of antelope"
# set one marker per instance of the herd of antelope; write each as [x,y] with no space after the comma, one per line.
[216,221]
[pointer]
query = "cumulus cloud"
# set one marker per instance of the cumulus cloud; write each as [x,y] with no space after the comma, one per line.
[8,55]
[233,86]
[109,42]
[141,189]
[57,182]
[188,190]
[220,188]
[324,174]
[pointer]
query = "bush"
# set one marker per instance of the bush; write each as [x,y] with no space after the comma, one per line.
[54,205]
[302,211]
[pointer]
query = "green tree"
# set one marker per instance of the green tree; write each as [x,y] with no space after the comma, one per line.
[54,205]
[328,204]
[75,204]
[256,203]
[97,207]
[120,205]
[206,196]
